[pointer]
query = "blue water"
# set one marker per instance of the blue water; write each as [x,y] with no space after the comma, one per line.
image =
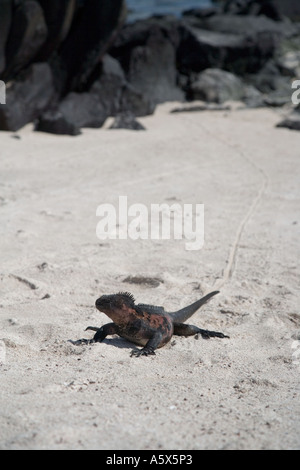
[138,9]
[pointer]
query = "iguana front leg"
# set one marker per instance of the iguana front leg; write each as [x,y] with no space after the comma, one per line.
[105,330]
[101,333]
[150,347]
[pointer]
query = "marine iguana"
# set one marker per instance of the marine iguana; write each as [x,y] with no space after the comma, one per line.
[146,325]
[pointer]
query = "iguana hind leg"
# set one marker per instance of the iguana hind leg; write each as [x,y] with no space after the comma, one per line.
[183,329]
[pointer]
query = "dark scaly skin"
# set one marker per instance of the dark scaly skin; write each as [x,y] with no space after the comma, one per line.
[146,325]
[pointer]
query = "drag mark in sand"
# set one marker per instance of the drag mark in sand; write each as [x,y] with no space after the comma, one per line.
[231,264]
[228,271]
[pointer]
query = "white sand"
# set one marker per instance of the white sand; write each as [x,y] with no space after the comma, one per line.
[235,393]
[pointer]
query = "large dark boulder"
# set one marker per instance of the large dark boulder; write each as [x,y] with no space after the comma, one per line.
[5,22]
[27,34]
[27,97]
[289,63]
[248,25]
[58,16]
[105,98]
[152,69]
[252,7]
[237,53]
[83,110]
[289,8]
[147,53]
[135,102]
[239,44]
[54,122]
[275,9]
[59,74]
[75,111]
[217,86]
[115,94]
[110,95]
[53,53]
[108,87]
[270,82]
[94,28]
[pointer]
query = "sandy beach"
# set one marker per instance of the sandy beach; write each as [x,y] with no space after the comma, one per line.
[237,393]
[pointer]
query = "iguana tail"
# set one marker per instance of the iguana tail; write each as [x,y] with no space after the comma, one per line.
[182,315]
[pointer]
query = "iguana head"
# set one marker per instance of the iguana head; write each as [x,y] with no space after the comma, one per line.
[118,301]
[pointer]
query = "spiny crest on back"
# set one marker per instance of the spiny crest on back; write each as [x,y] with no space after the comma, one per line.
[128,296]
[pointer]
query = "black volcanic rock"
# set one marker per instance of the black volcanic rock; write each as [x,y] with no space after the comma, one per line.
[152,69]
[83,110]
[5,23]
[110,95]
[27,34]
[252,7]
[202,12]
[147,53]
[27,97]
[109,85]
[58,16]
[72,37]
[94,27]
[201,49]
[135,102]
[70,64]
[116,94]
[127,121]
[217,86]
[275,86]
[292,123]
[289,8]
[54,122]
[249,25]
[274,9]
[239,51]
